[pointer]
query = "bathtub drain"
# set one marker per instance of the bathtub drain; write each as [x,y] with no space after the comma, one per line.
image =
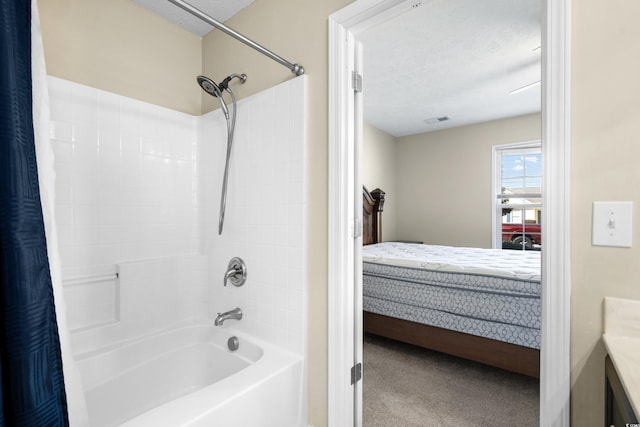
[233,343]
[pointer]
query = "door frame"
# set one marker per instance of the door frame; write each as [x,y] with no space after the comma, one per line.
[555,363]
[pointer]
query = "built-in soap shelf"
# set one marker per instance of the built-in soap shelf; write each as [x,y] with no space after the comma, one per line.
[92,301]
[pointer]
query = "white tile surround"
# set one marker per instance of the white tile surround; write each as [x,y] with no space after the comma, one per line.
[265,213]
[125,179]
[137,191]
[150,295]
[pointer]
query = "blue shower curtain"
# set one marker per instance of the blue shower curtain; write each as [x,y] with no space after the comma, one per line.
[32,389]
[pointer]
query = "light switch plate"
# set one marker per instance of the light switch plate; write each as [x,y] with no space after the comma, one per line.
[612,224]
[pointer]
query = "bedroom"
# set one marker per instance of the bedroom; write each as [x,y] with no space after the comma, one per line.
[437,174]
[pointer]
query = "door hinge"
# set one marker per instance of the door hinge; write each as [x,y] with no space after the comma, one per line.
[356,81]
[356,373]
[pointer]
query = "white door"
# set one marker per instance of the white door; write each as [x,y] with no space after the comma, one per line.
[345,240]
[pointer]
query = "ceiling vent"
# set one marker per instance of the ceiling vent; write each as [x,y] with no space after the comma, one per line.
[435,120]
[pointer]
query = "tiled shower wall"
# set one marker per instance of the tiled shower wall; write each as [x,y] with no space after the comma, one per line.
[127,203]
[137,192]
[265,214]
[125,179]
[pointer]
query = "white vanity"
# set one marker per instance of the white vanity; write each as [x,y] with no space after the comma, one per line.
[622,364]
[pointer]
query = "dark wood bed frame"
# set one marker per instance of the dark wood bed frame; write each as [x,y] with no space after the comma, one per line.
[511,357]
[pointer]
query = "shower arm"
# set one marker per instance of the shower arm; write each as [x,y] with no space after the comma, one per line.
[298,70]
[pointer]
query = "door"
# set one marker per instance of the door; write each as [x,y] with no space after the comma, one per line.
[357,86]
[344,401]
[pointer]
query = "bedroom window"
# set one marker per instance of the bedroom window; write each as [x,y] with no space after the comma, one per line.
[517,196]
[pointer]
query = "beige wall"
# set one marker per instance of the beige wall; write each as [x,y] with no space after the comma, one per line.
[605,150]
[122,48]
[379,171]
[444,181]
[298,31]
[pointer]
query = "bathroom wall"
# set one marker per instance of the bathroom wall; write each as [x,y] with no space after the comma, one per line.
[265,212]
[123,48]
[604,167]
[126,203]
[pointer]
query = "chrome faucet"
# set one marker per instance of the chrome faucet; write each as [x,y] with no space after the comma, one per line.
[233,314]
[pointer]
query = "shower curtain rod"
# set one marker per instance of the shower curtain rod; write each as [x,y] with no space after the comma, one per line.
[298,70]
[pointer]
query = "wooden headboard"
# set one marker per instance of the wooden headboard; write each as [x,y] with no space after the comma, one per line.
[372,204]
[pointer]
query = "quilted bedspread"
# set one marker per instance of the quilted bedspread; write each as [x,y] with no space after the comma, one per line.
[485,292]
[495,262]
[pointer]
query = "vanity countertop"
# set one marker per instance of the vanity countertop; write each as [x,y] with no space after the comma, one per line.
[622,340]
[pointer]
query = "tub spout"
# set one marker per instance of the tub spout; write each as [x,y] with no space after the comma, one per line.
[233,314]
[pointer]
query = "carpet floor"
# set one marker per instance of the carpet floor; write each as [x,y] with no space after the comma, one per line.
[406,386]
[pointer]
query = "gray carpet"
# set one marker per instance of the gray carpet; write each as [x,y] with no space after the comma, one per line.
[408,386]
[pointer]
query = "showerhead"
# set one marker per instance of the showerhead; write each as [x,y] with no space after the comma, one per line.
[216,90]
[212,89]
[209,86]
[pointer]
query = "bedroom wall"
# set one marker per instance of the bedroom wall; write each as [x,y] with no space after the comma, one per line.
[122,48]
[379,171]
[444,181]
[604,155]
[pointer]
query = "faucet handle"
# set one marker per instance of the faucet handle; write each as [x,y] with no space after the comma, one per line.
[236,272]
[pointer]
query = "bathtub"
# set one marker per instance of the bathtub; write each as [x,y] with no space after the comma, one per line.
[187,376]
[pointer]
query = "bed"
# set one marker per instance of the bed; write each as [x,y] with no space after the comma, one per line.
[478,304]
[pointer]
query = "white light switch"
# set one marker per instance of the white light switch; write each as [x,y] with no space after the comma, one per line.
[612,224]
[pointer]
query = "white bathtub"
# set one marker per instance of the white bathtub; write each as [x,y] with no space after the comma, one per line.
[188,377]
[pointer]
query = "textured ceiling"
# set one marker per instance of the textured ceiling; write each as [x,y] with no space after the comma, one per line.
[455,58]
[220,10]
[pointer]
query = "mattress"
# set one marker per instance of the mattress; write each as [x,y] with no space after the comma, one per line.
[484,292]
